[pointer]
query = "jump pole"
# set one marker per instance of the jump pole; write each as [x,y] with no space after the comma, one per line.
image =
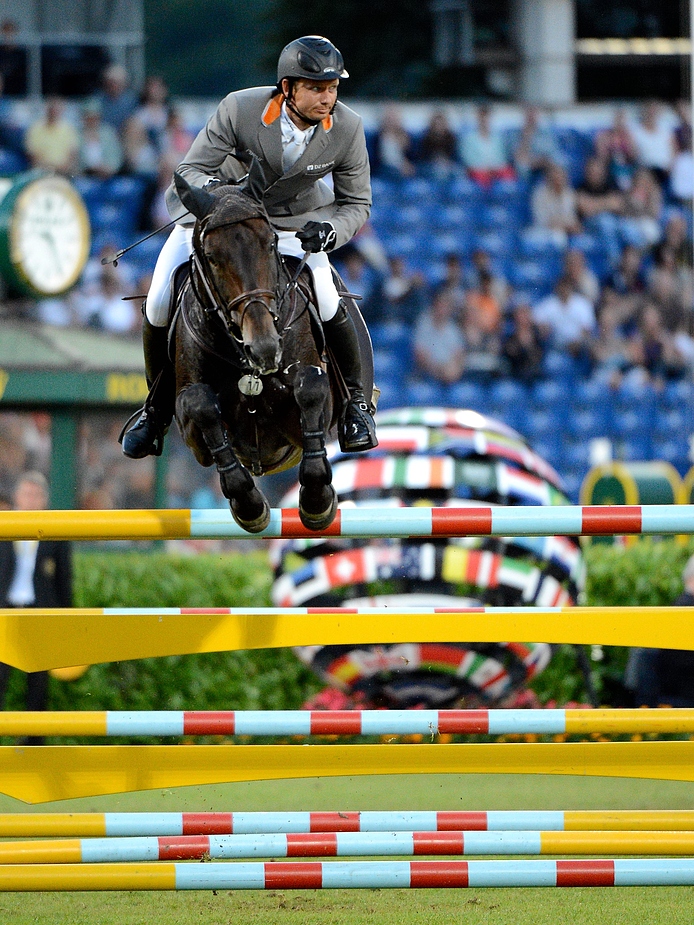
[354,522]
[317,875]
[343,844]
[427,723]
[57,772]
[112,825]
[37,640]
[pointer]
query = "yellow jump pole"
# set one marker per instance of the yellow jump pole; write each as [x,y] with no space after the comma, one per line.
[46,773]
[37,640]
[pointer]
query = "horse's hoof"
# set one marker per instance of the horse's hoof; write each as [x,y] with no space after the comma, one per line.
[322,520]
[252,526]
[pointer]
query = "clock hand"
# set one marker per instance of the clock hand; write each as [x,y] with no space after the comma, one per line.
[54,247]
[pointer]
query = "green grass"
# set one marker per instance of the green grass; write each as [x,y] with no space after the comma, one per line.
[651,906]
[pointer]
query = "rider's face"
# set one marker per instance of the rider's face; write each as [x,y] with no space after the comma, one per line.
[314,98]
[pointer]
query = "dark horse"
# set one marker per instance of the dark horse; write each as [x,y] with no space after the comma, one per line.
[252,387]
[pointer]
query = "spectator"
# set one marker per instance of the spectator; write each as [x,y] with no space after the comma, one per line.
[553,205]
[482,305]
[654,141]
[140,154]
[566,320]
[643,204]
[481,263]
[13,60]
[11,136]
[438,148]
[612,353]
[523,347]
[153,111]
[627,284]
[118,102]
[653,349]
[599,201]
[439,348]
[669,288]
[583,279]
[393,147]
[536,147]
[453,283]
[664,677]
[100,152]
[359,278]
[682,169]
[615,147]
[676,239]
[33,574]
[402,293]
[369,245]
[481,329]
[175,140]
[98,300]
[52,143]
[484,153]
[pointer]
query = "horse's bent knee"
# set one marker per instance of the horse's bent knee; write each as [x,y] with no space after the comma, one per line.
[199,403]
[311,389]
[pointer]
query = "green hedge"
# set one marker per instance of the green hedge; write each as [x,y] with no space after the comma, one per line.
[648,572]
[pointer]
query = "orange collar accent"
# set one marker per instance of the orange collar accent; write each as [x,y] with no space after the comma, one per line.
[273,111]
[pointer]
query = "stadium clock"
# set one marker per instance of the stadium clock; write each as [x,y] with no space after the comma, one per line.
[44,234]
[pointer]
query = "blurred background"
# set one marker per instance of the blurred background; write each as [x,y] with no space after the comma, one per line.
[526,155]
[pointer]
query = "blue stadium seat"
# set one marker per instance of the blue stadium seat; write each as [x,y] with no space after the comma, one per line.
[637,447]
[549,394]
[468,394]
[420,392]
[508,391]
[588,393]
[388,365]
[391,393]
[677,452]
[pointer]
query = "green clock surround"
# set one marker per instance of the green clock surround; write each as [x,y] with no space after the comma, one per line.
[44,234]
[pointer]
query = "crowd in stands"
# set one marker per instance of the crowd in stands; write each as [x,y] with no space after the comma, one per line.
[113,144]
[532,253]
[495,252]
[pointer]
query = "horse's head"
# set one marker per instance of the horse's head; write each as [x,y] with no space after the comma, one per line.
[235,257]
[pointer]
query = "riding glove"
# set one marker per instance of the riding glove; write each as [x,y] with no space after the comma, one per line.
[317,236]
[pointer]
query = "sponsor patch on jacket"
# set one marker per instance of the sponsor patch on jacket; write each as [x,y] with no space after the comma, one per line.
[325,166]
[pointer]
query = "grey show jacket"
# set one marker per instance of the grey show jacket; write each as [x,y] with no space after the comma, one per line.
[250,120]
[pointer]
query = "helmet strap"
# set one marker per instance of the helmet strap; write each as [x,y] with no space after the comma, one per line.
[289,100]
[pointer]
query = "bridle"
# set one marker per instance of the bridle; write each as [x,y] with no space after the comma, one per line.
[213,302]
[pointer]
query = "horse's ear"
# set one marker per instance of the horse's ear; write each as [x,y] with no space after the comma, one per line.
[197,201]
[254,183]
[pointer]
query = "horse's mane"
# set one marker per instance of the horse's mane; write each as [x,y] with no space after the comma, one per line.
[233,206]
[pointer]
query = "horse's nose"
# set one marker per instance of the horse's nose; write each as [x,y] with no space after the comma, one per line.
[266,355]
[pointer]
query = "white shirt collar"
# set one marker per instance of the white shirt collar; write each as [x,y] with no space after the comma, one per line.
[291,132]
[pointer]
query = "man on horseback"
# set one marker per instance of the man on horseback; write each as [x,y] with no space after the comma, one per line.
[300,133]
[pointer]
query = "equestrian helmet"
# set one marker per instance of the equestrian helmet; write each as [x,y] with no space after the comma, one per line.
[311,57]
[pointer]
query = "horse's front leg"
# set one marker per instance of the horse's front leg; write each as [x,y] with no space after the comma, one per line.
[249,507]
[317,497]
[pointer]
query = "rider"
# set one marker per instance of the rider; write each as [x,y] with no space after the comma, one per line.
[300,133]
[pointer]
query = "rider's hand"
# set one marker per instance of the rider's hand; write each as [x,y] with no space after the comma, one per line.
[213,183]
[317,236]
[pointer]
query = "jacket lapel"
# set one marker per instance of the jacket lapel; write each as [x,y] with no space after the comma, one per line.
[270,135]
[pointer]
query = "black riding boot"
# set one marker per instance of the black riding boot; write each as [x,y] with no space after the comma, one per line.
[146,436]
[356,430]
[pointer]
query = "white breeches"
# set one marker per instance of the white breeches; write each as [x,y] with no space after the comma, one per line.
[178,248]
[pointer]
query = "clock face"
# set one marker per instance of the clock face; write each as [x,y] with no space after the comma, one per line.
[49,236]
